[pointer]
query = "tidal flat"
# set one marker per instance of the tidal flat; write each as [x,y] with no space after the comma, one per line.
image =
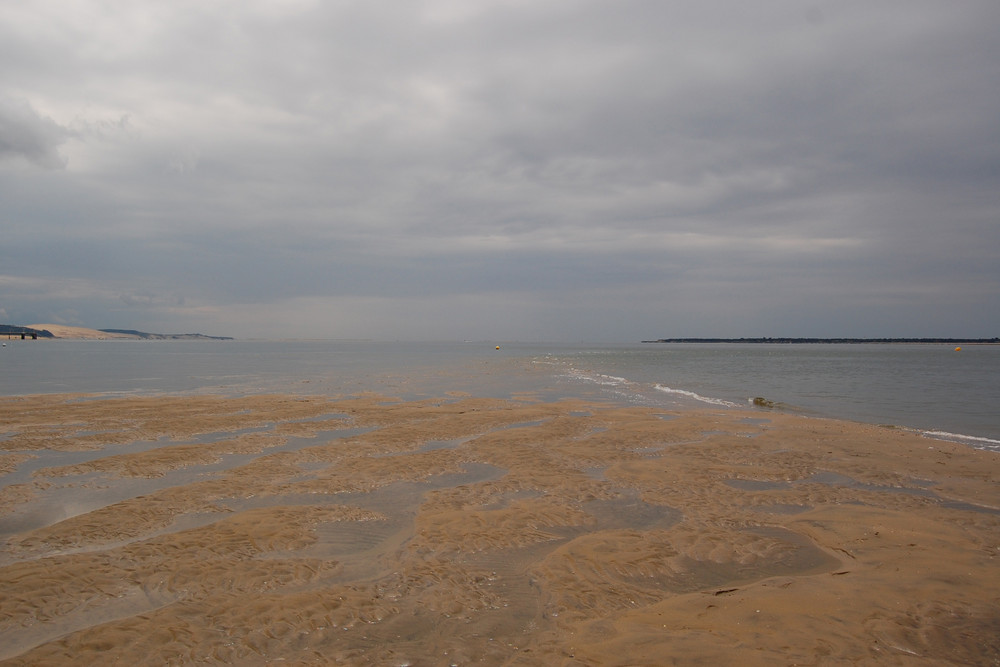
[373,530]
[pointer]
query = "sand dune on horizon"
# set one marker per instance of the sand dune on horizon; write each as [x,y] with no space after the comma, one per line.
[83,333]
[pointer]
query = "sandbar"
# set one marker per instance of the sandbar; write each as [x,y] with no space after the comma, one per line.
[371,530]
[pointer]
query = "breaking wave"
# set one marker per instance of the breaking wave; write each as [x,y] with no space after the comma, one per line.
[697,397]
[971,440]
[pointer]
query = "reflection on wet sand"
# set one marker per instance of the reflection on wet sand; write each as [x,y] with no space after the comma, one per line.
[370,530]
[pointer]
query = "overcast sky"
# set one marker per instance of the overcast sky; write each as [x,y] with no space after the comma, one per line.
[502,169]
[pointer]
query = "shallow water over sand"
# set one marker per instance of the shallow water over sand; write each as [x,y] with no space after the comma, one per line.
[462,530]
[926,387]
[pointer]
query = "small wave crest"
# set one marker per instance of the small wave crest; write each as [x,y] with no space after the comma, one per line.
[623,388]
[599,378]
[697,397]
[633,391]
[971,440]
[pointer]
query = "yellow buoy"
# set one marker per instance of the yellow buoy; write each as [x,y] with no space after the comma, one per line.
[958,349]
[498,347]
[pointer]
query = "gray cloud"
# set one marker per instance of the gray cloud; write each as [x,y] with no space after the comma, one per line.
[564,169]
[27,134]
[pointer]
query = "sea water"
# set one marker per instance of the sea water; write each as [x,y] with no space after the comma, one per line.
[932,388]
[929,387]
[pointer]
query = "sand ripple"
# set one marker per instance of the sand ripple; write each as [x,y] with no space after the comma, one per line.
[374,531]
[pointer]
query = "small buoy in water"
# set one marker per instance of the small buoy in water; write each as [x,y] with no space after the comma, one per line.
[958,349]
[498,347]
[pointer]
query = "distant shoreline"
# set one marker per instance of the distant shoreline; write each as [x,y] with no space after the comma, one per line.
[852,341]
[59,331]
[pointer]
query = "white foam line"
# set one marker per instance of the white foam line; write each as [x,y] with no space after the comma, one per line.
[944,435]
[697,397]
[597,378]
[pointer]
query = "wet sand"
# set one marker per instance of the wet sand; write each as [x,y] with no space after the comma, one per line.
[369,530]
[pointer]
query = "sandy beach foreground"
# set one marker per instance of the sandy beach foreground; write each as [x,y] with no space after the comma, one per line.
[308,530]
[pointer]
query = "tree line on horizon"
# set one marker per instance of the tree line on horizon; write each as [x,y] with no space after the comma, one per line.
[950,341]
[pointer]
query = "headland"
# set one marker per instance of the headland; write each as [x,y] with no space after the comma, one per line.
[42,331]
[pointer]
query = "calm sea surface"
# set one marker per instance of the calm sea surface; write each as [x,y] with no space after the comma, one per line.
[931,388]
